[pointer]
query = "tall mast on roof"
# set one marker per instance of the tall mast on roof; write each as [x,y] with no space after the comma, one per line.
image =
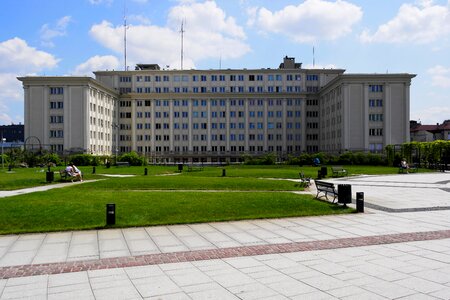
[125,27]
[182,42]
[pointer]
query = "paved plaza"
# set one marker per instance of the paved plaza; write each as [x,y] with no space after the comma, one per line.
[398,249]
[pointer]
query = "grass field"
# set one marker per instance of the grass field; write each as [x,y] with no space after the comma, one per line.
[164,196]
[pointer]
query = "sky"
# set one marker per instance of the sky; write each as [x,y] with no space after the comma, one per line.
[76,37]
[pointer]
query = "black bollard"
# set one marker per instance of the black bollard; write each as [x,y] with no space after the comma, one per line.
[110,214]
[224,172]
[145,171]
[93,170]
[360,202]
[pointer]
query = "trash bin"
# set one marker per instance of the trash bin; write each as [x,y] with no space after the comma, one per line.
[319,174]
[360,202]
[180,167]
[324,171]
[344,193]
[50,176]
[110,214]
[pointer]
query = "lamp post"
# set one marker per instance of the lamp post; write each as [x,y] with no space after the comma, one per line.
[3,141]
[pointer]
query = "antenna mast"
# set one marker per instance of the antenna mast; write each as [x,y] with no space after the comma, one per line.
[182,40]
[125,34]
[314,59]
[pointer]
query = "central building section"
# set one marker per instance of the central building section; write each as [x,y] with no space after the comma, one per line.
[217,115]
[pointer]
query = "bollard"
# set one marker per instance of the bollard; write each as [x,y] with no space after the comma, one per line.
[145,171]
[93,170]
[9,168]
[360,202]
[224,172]
[110,214]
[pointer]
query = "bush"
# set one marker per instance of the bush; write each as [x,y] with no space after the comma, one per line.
[133,158]
[52,158]
[81,159]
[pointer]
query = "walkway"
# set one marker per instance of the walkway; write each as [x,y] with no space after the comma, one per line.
[376,255]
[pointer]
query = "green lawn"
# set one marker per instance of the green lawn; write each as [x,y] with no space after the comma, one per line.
[164,196]
[74,208]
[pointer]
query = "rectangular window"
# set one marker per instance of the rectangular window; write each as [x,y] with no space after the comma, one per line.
[56,91]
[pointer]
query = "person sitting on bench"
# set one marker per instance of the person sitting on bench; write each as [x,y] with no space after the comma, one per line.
[404,165]
[73,171]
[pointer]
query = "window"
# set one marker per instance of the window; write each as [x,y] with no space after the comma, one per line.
[125,78]
[312,77]
[376,132]
[377,88]
[56,91]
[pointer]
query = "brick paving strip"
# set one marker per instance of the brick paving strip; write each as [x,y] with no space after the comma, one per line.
[186,256]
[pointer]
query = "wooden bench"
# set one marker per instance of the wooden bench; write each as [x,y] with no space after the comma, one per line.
[64,175]
[192,168]
[303,179]
[122,164]
[338,171]
[326,188]
[411,169]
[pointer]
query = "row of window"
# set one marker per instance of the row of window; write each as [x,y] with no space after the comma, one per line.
[251,125]
[219,137]
[214,114]
[215,77]
[220,89]
[198,149]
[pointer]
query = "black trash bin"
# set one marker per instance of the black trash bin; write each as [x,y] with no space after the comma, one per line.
[319,174]
[344,193]
[324,171]
[50,176]
[180,167]
[110,214]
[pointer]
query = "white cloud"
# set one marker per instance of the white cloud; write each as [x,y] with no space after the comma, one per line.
[209,33]
[431,115]
[139,19]
[97,2]
[97,63]
[309,21]
[421,23]
[18,56]
[48,33]
[440,76]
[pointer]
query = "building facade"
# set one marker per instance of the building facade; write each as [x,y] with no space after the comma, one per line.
[429,133]
[218,115]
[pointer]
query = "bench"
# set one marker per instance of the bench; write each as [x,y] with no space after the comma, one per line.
[122,164]
[303,179]
[326,188]
[411,169]
[64,175]
[192,168]
[338,171]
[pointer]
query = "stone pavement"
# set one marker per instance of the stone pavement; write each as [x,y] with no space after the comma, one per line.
[399,248]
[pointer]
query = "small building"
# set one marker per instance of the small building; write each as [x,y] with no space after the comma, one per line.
[429,133]
[13,133]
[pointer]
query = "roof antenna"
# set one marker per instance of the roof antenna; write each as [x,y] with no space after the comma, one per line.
[314,59]
[182,42]
[125,27]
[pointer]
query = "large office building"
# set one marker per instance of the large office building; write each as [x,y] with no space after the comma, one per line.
[218,115]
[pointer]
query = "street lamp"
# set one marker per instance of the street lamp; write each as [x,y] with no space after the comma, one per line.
[3,141]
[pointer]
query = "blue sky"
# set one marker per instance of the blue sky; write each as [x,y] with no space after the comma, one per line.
[54,37]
